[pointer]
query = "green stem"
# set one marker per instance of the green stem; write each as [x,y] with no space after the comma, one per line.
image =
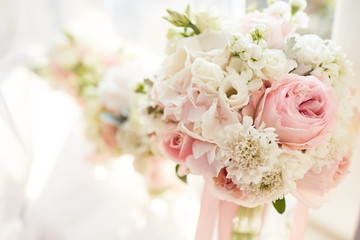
[193,27]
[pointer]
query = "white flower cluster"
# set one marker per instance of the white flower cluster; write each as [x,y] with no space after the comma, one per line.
[292,12]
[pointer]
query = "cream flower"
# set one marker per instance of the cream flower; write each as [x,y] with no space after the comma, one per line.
[207,75]
[332,150]
[234,89]
[270,187]
[248,153]
[295,164]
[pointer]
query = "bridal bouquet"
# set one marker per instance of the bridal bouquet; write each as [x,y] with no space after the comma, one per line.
[255,108]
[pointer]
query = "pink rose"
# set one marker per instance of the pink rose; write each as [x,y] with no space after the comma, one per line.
[175,145]
[303,110]
[315,188]
[277,29]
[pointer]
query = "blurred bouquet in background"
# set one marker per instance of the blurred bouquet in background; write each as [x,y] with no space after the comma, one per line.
[103,83]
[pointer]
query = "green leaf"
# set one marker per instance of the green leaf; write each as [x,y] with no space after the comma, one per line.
[280,205]
[182,178]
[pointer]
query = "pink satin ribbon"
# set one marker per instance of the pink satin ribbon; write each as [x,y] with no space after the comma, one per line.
[228,212]
[209,210]
[300,220]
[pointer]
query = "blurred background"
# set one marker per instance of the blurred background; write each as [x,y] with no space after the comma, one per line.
[49,191]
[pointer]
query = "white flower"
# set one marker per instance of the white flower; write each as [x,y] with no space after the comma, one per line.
[277,64]
[234,89]
[280,9]
[254,56]
[115,90]
[270,188]
[248,153]
[333,149]
[253,82]
[206,74]
[300,19]
[295,164]
[309,49]
[207,18]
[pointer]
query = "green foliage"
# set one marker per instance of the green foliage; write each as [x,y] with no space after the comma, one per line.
[182,178]
[280,205]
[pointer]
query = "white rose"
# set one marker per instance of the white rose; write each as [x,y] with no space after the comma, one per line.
[277,64]
[234,90]
[207,74]
[115,89]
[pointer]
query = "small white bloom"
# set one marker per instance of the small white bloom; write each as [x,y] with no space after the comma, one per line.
[280,9]
[277,64]
[207,74]
[300,19]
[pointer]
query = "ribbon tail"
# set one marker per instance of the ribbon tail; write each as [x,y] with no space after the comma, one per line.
[300,220]
[227,213]
[209,210]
